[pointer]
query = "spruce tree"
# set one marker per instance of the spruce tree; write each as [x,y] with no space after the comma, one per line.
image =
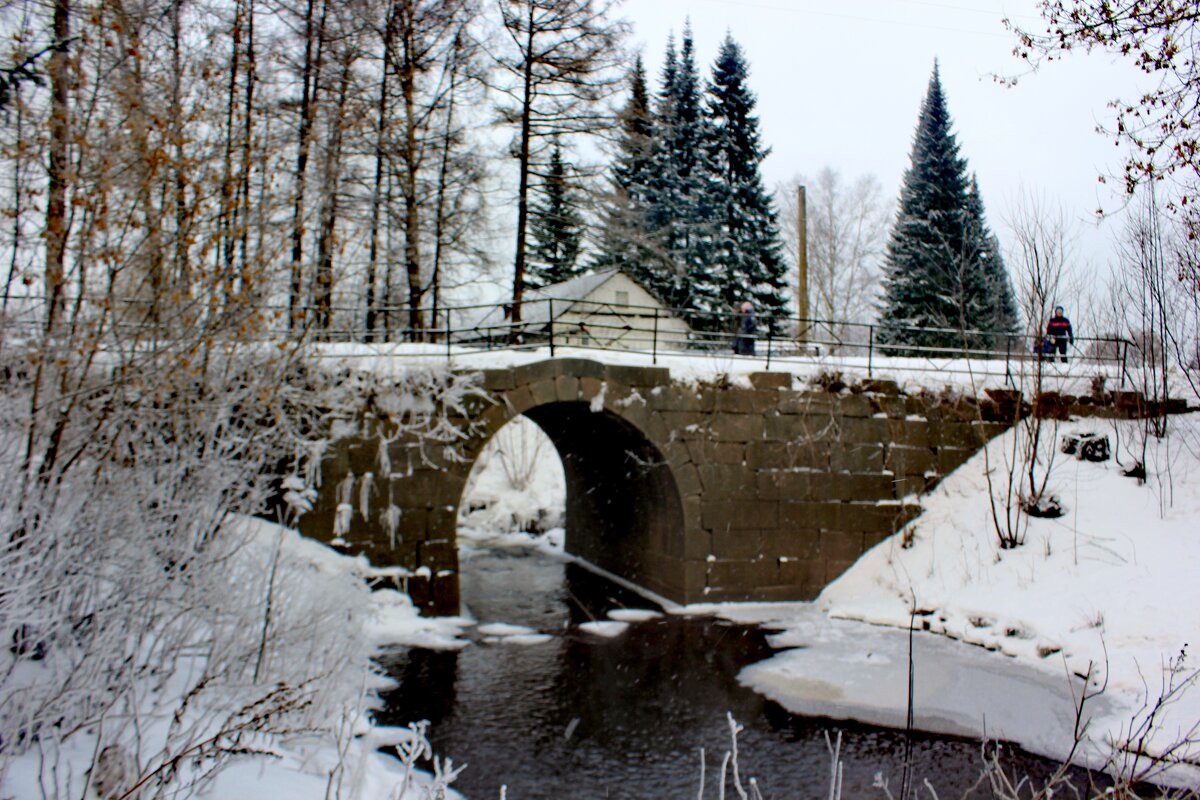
[625,239]
[747,260]
[556,227]
[997,313]
[942,272]
[680,192]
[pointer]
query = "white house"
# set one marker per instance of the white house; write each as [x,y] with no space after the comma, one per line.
[605,309]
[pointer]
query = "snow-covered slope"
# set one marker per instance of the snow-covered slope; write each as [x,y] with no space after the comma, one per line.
[1110,589]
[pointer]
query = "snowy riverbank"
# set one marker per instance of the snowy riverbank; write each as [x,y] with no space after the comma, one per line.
[1109,589]
[1006,634]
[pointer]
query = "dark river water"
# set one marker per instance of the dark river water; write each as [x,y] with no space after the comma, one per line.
[581,716]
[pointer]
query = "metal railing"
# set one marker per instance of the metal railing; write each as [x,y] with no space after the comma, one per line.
[555,323]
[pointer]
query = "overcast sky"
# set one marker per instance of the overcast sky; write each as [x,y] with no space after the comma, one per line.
[841,84]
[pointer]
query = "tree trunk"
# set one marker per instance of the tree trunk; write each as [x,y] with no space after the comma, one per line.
[326,241]
[411,156]
[56,192]
[242,206]
[439,220]
[314,43]
[225,225]
[376,196]
[145,158]
[523,167]
[182,270]
[18,160]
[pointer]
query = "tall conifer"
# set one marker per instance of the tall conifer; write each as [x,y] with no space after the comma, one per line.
[935,275]
[556,227]
[747,259]
[680,192]
[625,239]
[997,310]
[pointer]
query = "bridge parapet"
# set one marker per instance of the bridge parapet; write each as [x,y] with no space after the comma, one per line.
[698,491]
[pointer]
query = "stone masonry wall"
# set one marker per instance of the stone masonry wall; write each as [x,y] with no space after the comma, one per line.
[699,492]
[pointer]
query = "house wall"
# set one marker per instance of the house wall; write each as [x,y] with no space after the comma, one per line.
[595,321]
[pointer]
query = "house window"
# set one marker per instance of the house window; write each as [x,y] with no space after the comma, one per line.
[622,299]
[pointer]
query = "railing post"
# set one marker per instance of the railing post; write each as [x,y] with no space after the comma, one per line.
[870,348]
[448,353]
[654,340]
[769,346]
[550,308]
[1124,361]
[1007,365]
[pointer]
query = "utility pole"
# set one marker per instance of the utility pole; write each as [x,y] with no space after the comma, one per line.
[802,264]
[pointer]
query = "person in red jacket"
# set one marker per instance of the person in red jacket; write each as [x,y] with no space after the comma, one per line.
[1058,333]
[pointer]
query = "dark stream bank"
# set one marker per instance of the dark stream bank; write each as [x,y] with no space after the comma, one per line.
[582,717]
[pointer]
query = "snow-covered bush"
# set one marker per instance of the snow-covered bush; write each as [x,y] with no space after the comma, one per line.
[149,634]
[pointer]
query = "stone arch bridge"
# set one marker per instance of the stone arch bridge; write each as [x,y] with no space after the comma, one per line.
[697,492]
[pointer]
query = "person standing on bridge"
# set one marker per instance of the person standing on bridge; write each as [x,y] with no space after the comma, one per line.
[1058,333]
[743,342]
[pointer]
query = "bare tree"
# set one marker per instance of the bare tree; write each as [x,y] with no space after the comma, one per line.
[1040,258]
[1144,296]
[847,229]
[561,62]
[331,185]
[435,50]
[429,57]
[1184,332]
[56,192]
[314,27]
[1159,38]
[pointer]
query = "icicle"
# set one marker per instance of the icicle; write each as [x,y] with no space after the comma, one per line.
[312,463]
[345,507]
[345,490]
[597,404]
[385,458]
[364,495]
[341,522]
[391,523]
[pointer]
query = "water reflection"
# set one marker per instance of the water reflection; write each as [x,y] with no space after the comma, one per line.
[587,717]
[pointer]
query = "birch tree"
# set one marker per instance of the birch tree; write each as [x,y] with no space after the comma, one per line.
[846,232]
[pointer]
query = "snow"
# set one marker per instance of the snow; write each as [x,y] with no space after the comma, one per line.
[702,367]
[1109,589]
[605,628]
[307,765]
[839,671]
[504,629]
[394,621]
[1108,592]
[517,485]
[507,633]
[1003,635]
[633,614]
[524,638]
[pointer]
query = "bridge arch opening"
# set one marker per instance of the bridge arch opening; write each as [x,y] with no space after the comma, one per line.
[623,511]
[516,484]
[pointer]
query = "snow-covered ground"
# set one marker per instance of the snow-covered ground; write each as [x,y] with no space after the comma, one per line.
[309,764]
[1109,590]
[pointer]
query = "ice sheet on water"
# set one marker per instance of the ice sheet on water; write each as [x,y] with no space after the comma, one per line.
[633,614]
[604,628]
